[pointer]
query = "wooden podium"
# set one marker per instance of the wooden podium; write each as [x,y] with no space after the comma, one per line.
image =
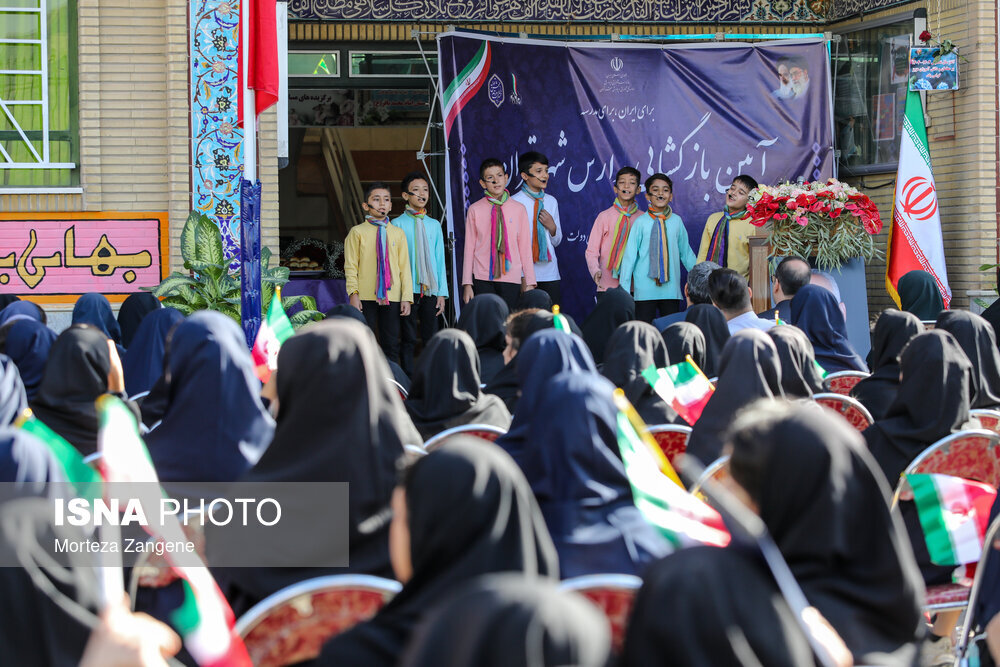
[760,277]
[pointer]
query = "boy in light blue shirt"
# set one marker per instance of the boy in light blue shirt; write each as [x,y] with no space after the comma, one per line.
[656,247]
[425,244]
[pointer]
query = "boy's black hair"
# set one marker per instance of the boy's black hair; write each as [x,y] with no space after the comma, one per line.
[749,181]
[490,162]
[729,290]
[659,177]
[628,170]
[529,159]
[377,185]
[410,177]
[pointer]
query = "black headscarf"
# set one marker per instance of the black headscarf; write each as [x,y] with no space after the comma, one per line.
[612,310]
[634,347]
[816,311]
[7,299]
[346,310]
[542,355]
[713,326]
[470,512]
[339,420]
[135,307]
[712,606]
[893,331]
[534,298]
[579,481]
[976,338]
[919,294]
[826,505]
[27,342]
[508,620]
[75,375]
[13,400]
[93,308]
[799,376]
[445,390]
[214,426]
[143,362]
[748,370]
[683,339]
[483,318]
[932,402]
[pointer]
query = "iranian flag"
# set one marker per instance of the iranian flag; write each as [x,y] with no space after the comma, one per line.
[86,481]
[464,86]
[679,516]
[204,618]
[275,330]
[915,241]
[683,386]
[954,514]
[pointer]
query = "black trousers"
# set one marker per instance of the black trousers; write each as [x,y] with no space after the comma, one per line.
[646,311]
[553,289]
[506,291]
[422,318]
[384,321]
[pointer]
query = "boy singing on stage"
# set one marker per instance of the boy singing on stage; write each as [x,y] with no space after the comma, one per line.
[497,241]
[543,218]
[377,268]
[656,246]
[725,240]
[425,243]
[606,243]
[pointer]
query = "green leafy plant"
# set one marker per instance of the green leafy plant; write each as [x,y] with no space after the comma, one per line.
[210,285]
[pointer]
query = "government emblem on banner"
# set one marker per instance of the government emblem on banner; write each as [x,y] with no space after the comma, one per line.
[514,97]
[495,90]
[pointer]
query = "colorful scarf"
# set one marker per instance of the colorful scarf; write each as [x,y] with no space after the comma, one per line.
[659,252]
[622,228]
[499,252]
[424,262]
[718,247]
[383,282]
[539,235]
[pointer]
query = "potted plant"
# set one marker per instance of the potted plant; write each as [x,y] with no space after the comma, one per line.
[830,221]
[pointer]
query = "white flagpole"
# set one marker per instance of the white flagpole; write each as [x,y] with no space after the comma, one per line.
[249,98]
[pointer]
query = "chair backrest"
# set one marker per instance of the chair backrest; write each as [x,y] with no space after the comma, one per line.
[402,392]
[842,382]
[990,419]
[856,414]
[963,641]
[484,431]
[614,595]
[672,439]
[972,454]
[716,470]
[291,625]
[414,451]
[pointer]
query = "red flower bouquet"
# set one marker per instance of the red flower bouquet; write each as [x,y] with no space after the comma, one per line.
[831,220]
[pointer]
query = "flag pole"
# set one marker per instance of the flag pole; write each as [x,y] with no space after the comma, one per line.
[250,188]
[249,101]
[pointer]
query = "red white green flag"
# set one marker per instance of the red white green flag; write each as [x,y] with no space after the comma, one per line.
[274,331]
[464,86]
[86,481]
[679,516]
[954,514]
[683,386]
[204,619]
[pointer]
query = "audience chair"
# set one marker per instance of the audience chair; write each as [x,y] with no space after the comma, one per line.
[842,382]
[989,419]
[484,431]
[614,595]
[964,637]
[672,439]
[851,409]
[414,452]
[402,392]
[716,471]
[153,571]
[291,625]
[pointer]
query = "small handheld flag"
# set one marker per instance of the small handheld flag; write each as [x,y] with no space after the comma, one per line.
[559,320]
[954,514]
[684,386]
[275,330]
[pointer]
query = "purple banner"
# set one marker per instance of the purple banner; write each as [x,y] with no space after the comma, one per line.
[702,115]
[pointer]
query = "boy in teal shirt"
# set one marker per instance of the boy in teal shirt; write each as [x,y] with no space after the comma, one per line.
[656,247]
[425,243]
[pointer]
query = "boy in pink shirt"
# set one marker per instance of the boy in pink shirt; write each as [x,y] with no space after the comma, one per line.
[498,257]
[606,242]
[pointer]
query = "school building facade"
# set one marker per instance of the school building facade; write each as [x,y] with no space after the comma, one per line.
[120,118]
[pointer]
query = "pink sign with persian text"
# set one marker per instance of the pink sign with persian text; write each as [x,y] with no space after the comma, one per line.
[68,254]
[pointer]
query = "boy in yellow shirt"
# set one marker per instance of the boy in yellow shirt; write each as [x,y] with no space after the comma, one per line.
[725,240]
[377,268]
